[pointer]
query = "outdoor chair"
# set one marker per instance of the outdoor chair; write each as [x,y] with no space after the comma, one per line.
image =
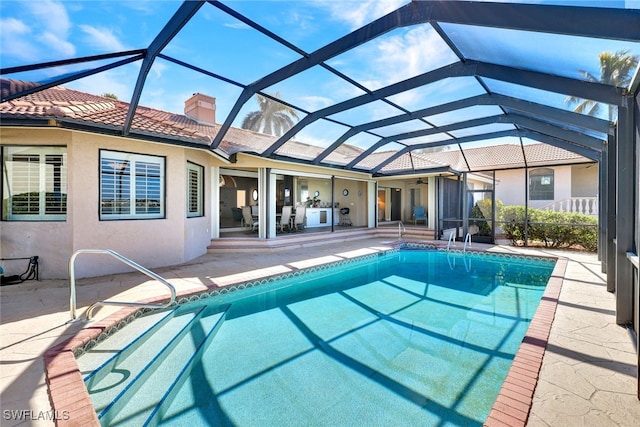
[285,219]
[248,218]
[419,214]
[298,222]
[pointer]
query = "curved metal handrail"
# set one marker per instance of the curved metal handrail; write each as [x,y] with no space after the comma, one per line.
[401,229]
[451,239]
[467,238]
[89,312]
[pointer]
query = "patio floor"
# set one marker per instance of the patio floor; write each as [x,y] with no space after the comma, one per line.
[588,374]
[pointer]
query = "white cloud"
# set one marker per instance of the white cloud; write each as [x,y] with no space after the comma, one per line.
[102,38]
[237,25]
[411,53]
[60,45]
[51,15]
[14,38]
[158,69]
[46,35]
[358,13]
[313,103]
[120,82]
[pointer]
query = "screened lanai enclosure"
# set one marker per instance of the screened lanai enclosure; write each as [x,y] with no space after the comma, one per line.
[454,92]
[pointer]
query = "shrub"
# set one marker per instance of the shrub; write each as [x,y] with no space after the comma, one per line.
[482,209]
[553,229]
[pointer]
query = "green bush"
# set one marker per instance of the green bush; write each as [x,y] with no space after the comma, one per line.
[482,209]
[553,229]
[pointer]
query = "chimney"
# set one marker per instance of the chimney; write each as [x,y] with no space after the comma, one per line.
[201,108]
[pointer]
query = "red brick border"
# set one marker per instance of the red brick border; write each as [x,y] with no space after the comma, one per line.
[513,405]
[69,396]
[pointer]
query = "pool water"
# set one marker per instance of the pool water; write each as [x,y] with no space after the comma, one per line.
[410,338]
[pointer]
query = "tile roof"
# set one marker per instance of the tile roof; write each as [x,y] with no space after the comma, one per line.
[75,107]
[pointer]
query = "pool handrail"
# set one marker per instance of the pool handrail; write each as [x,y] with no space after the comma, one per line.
[467,238]
[89,312]
[451,240]
[401,229]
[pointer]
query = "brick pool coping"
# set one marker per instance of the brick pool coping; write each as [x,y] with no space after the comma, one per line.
[513,404]
[69,395]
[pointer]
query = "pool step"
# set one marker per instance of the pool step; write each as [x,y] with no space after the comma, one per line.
[100,361]
[159,411]
[107,384]
[159,379]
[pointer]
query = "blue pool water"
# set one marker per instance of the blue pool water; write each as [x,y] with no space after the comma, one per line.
[408,338]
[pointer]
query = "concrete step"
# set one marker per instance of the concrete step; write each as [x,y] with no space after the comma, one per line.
[307,239]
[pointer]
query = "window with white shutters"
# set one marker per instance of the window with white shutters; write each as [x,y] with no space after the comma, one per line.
[195,190]
[34,183]
[131,186]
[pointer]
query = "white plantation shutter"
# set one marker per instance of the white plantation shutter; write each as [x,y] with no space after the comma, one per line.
[131,186]
[195,195]
[35,183]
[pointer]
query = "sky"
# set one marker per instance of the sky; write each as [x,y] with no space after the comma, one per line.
[38,31]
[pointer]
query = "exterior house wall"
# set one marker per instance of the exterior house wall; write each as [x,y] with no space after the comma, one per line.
[561,187]
[51,241]
[148,242]
[584,180]
[568,181]
[510,187]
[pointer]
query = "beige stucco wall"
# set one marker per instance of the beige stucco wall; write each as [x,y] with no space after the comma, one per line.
[569,181]
[151,243]
[510,187]
[584,180]
[50,241]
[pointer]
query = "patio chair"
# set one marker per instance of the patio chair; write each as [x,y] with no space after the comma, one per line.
[298,222]
[248,218]
[285,219]
[419,214]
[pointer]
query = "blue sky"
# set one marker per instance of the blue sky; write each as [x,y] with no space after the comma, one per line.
[46,30]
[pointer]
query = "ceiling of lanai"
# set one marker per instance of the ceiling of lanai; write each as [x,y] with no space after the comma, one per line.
[478,86]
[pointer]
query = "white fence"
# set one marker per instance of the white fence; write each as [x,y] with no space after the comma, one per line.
[582,205]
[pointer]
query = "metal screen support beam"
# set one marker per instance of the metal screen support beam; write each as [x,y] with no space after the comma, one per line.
[170,30]
[624,213]
[612,194]
[583,89]
[602,209]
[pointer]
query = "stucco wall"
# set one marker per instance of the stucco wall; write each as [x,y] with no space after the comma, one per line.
[510,186]
[584,180]
[51,241]
[149,242]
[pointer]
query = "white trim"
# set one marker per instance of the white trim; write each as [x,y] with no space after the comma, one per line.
[134,159]
[199,170]
[214,202]
[234,172]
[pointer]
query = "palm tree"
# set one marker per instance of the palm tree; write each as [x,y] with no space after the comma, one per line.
[616,70]
[274,118]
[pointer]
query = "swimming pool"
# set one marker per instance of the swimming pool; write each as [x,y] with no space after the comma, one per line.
[410,337]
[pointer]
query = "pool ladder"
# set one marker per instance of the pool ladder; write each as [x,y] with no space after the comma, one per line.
[452,241]
[89,312]
[401,229]
[467,239]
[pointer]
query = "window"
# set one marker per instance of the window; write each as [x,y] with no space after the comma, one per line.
[195,190]
[131,186]
[541,184]
[34,183]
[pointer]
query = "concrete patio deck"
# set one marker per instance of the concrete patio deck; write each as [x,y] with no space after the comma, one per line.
[587,377]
